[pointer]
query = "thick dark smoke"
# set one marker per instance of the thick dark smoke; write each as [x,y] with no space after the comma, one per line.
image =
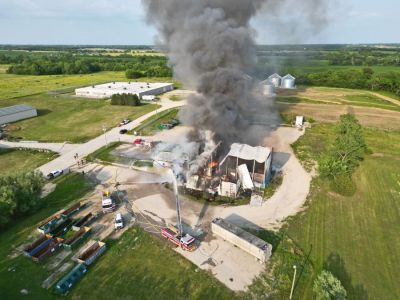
[211,47]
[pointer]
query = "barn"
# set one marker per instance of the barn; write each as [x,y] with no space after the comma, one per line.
[16,113]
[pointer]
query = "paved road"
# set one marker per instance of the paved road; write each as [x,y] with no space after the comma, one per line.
[68,151]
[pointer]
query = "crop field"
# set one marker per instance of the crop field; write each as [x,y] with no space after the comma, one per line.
[356,237]
[22,160]
[68,118]
[324,95]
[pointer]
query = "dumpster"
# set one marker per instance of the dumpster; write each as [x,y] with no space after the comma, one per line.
[66,283]
[61,228]
[49,224]
[40,242]
[90,254]
[49,248]
[82,221]
[77,238]
[70,211]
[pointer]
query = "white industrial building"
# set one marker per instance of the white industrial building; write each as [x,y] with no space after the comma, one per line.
[16,113]
[106,90]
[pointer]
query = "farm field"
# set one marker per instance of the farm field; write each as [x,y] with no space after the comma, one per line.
[325,95]
[356,238]
[67,118]
[22,160]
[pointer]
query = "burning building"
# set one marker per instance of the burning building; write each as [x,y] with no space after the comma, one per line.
[246,167]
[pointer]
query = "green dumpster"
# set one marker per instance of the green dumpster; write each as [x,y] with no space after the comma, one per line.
[67,282]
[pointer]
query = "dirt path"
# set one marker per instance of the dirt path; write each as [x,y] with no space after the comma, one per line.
[387,98]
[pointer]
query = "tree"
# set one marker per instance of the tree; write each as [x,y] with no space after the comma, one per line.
[328,287]
[133,74]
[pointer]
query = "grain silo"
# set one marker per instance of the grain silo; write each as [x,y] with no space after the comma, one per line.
[288,82]
[275,80]
[268,89]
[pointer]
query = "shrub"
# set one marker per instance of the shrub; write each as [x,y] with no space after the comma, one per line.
[328,287]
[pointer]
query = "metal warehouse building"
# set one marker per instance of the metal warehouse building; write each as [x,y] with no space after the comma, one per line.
[16,113]
[141,89]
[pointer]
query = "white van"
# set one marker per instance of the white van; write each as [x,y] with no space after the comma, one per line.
[119,222]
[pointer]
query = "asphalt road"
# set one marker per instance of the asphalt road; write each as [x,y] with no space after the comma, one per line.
[67,152]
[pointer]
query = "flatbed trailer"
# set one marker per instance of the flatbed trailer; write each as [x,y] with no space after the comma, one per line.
[185,241]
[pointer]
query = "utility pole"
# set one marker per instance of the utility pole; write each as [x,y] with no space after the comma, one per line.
[294,280]
[105,135]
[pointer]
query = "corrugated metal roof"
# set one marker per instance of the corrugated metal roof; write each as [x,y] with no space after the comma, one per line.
[246,152]
[5,111]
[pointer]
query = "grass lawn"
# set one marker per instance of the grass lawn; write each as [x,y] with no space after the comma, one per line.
[104,153]
[67,118]
[22,160]
[20,272]
[12,86]
[150,126]
[356,238]
[140,266]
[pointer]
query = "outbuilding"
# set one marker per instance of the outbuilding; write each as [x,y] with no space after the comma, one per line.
[16,113]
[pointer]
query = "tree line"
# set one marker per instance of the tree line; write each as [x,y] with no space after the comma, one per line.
[365,79]
[19,196]
[57,64]
[125,99]
[344,155]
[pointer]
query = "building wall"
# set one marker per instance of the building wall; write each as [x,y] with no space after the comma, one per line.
[18,116]
[268,170]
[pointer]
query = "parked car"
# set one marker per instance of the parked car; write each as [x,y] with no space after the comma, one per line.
[119,222]
[138,142]
[54,174]
[124,122]
[123,131]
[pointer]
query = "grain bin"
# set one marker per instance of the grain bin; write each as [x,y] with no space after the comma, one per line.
[275,80]
[288,82]
[268,90]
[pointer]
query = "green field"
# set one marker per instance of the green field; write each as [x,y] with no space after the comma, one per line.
[356,238]
[19,272]
[138,266]
[12,86]
[141,266]
[22,160]
[68,118]
[150,126]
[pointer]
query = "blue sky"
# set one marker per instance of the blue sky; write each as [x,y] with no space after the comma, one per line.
[122,22]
